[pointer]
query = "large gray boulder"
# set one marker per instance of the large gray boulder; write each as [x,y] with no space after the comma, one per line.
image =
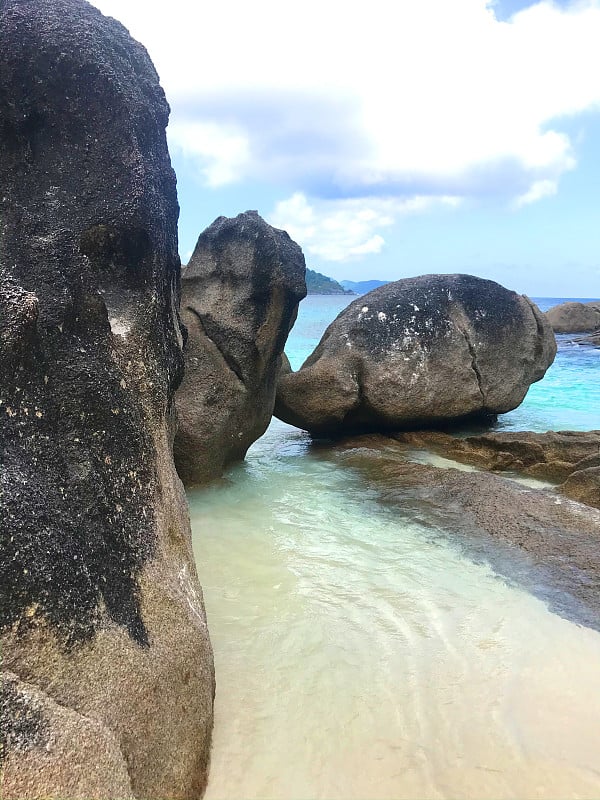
[240,295]
[574,317]
[419,352]
[107,674]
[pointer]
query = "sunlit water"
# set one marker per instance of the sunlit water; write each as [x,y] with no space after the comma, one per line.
[361,654]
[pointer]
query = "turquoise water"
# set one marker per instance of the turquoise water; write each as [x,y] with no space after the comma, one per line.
[360,653]
[568,397]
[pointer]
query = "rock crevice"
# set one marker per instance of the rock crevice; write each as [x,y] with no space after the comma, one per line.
[474,367]
[214,341]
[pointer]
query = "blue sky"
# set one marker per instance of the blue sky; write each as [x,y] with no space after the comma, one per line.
[393,139]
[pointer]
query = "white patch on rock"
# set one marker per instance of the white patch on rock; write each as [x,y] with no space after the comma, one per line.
[120,327]
[381,316]
[191,595]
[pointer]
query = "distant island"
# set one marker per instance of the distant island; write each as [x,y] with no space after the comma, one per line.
[362,287]
[316,283]
[321,284]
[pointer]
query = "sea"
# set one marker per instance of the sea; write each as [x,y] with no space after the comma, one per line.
[362,653]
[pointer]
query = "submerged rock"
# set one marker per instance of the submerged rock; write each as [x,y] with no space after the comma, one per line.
[593,339]
[568,458]
[589,340]
[547,544]
[108,682]
[418,352]
[240,295]
[574,317]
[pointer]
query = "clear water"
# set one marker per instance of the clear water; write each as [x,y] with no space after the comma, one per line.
[568,397]
[361,654]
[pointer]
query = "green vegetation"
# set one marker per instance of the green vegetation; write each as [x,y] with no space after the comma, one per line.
[321,284]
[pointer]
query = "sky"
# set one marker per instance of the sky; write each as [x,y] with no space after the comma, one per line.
[391,138]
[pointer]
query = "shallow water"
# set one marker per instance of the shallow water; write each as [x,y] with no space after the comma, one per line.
[433,460]
[361,654]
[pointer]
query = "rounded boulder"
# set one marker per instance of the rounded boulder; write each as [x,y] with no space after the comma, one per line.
[575,317]
[419,352]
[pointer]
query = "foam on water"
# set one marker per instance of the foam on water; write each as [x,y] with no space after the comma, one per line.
[361,654]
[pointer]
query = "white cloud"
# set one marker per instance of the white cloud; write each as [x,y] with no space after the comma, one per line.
[537,190]
[340,230]
[222,151]
[403,97]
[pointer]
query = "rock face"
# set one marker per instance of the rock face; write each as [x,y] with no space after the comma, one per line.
[570,459]
[419,352]
[574,317]
[240,296]
[107,683]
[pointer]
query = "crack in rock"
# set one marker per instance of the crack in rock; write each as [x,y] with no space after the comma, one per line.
[474,366]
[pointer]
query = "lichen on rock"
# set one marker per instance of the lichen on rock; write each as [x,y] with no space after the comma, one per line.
[94,527]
